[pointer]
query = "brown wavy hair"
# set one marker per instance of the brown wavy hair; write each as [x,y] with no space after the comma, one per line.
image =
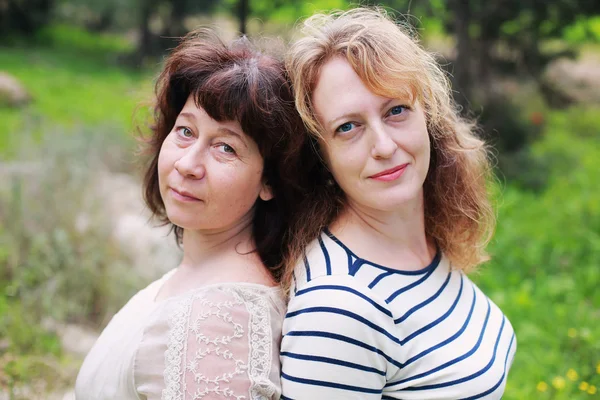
[235,82]
[391,63]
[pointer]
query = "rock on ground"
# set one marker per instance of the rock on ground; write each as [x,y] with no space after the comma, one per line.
[570,81]
[12,92]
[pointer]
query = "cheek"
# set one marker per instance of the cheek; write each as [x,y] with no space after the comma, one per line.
[424,139]
[333,162]
[346,165]
[425,147]
[422,154]
[421,144]
[415,141]
[164,164]
[238,188]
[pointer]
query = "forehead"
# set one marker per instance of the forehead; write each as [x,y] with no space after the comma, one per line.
[198,115]
[338,87]
[338,73]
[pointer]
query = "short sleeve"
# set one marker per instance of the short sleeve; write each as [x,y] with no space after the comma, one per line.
[334,346]
[222,344]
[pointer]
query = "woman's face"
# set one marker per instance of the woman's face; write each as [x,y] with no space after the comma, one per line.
[209,172]
[377,148]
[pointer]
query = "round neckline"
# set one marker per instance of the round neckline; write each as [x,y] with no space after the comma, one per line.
[161,282]
[430,267]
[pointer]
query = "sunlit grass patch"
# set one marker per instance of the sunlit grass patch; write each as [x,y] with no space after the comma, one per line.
[74,81]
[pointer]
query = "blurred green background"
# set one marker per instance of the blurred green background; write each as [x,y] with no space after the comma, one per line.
[76,79]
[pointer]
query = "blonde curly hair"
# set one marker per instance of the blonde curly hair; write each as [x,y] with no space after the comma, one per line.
[389,60]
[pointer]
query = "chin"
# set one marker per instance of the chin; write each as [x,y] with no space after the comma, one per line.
[396,201]
[182,220]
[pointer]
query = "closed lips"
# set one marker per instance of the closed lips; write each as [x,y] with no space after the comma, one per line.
[183,193]
[389,171]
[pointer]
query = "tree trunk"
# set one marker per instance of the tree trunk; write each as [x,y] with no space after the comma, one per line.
[178,13]
[243,12]
[484,76]
[24,18]
[462,69]
[144,46]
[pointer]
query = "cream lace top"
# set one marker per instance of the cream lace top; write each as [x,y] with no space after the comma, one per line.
[216,342]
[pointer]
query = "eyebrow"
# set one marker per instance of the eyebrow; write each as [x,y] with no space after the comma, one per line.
[188,115]
[341,117]
[226,131]
[222,130]
[354,114]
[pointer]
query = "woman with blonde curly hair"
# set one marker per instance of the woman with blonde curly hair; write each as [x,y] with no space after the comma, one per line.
[380,305]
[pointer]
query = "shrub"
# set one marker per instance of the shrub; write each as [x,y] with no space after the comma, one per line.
[58,260]
[545,270]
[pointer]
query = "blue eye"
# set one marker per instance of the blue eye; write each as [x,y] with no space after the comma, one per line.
[397,110]
[347,127]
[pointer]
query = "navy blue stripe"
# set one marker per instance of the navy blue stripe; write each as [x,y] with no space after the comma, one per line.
[433,265]
[493,388]
[282,397]
[349,290]
[356,266]
[451,362]
[450,339]
[512,339]
[345,339]
[377,327]
[350,263]
[379,277]
[408,287]
[328,360]
[329,384]
[466,378]
[424,303]
[340,311]
[307,268]
[326,254]
[295,282]
[440,319]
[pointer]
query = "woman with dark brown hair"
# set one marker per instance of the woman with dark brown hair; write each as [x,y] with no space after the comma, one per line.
[224,172]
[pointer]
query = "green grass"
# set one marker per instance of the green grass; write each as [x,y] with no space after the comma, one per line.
[73,80]
[83,101]
[545,271]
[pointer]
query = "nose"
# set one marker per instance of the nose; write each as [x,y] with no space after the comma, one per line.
[384,145]
[191,163]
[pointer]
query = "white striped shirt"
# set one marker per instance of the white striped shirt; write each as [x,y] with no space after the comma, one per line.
[358,330]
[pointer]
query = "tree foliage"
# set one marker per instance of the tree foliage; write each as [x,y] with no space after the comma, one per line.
[24,17]
[506,34]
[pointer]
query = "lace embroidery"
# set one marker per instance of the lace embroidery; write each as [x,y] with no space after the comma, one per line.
[261,342]
[259,336]
[175,350]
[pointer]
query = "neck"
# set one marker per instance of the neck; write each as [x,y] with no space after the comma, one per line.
[402,229]
[200,247]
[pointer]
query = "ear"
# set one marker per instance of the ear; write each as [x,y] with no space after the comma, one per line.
[266,193]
